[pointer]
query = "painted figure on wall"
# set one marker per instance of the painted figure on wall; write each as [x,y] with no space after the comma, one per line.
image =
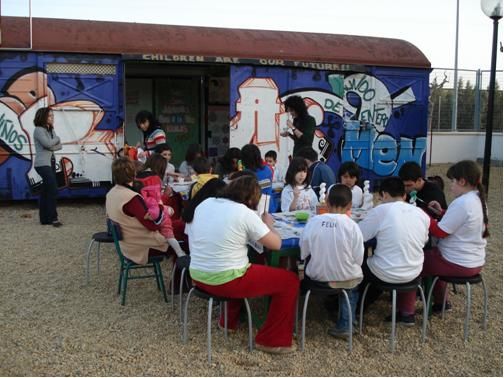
[87,151]
[377,121]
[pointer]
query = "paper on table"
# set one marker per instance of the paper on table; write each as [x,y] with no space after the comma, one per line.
[263,206]
[181,187]
[358,214]
[286,225]
[277,186]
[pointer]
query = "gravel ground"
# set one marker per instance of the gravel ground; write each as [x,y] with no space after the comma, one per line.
[51,323]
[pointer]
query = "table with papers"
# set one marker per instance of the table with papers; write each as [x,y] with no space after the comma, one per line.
[183,188]
[290,230]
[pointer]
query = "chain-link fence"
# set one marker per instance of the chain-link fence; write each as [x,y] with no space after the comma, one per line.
[472,104]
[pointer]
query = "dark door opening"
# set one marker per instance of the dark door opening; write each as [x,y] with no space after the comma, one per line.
[191,103]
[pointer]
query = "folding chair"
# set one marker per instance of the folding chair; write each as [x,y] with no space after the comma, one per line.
[128,265]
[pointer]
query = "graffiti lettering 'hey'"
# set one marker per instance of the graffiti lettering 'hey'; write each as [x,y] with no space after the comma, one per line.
[10,133]
[381,153]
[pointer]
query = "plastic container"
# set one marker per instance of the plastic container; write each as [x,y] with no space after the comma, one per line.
[321,208]
[302,216]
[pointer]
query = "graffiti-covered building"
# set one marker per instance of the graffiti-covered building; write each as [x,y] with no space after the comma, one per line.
[217,87]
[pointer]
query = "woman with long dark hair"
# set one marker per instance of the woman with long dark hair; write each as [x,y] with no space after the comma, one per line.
[152,132]
[302,126]
[46,142]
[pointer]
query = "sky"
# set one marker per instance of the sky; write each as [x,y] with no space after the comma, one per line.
[428,24]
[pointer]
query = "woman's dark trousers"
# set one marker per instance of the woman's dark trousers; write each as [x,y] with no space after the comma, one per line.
[48,195]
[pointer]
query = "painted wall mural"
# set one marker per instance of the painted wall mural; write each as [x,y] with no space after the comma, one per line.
[377,119]
[87,127]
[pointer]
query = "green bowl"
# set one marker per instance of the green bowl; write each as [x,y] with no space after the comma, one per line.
[302,216]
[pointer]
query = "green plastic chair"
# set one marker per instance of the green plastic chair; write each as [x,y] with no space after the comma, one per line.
[127,266]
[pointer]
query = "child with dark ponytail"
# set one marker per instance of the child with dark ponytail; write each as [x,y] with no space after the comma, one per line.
[462,230]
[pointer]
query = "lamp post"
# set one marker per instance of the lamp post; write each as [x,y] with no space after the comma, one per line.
[493,9]
[455,78]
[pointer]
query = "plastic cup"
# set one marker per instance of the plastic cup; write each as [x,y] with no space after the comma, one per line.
[321,209]
[301,267]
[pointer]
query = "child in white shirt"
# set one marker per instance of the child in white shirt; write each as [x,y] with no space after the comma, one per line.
[401,231]
[462,230]
[335,244]
[349,175]
[297,194]
[166,151]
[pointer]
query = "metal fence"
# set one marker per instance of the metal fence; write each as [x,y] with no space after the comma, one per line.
[472,94]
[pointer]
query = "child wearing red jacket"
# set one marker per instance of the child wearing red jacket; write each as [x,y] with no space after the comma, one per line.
[149,185]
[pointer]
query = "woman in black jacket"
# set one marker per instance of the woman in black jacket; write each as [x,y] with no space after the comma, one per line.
[302,126]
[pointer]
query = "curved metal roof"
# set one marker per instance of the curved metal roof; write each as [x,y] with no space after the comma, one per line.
[62,35]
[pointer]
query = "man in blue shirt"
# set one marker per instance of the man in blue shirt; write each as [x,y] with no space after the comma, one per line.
[319,171]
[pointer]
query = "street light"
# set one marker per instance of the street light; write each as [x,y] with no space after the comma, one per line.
[493,9]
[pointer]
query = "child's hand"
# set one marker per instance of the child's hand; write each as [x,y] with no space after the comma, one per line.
[170,210]
[168,191]
[268,219]
[436,209]
[296,192]
[148,216]
[435,206]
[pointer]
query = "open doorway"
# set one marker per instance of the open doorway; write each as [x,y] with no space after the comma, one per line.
[191,103]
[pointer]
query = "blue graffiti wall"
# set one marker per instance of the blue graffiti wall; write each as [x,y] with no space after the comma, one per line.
[85,95]
[377,119]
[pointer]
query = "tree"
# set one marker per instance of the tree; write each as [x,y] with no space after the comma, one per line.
[440,105]
[497,119]
[465,116]
[435,100]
